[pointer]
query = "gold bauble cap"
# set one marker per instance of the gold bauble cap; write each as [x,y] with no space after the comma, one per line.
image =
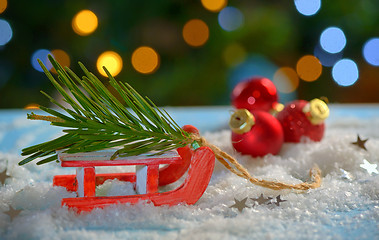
[241,121]
[276,108]
[318,111]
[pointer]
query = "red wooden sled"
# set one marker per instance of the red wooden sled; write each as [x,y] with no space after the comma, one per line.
[146,180]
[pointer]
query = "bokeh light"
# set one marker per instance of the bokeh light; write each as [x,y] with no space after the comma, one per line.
[145,60]
[230,18]
[5,32]
[333,40]
[195,32]
[371,51]
[3,5]
[286,80]
[84,23]
[234,54]
[254,65]
[327,59]
[257,47]
[62,57]
[309,68]
[112,61]
[40,54]
[345,72]
[32,106]
[308,7]
[214,5]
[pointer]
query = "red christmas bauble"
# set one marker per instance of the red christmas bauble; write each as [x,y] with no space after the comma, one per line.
[255,94]
[256,134]
[301,118]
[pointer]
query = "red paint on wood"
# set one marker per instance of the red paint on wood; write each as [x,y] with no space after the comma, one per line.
[200,163]
[171,173]
[70,183]
[167,175]
[152,179]
[67,181]
[199,174]
[89,183]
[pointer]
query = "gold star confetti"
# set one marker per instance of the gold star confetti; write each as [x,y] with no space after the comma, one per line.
[3,176]
[370,168]
[360,143]
[12,213]
[261,200]
[240,205]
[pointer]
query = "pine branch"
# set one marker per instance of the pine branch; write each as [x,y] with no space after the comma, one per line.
[99,120]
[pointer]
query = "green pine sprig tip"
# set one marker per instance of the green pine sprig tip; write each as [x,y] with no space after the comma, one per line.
[97,120]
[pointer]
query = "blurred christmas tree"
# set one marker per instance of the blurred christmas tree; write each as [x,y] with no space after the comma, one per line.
[194,51]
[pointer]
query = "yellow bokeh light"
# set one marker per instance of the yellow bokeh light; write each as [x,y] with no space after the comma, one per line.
[61,57]
[84,23]
[234,54]
[286,80]
[112,61]
[145,60]
[32,106]
[214,5]
[195,32]
[3,5]
[309,68]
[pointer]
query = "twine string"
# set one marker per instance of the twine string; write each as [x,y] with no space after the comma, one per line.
[235,167]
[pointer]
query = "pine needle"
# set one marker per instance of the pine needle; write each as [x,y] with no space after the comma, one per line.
[98,120]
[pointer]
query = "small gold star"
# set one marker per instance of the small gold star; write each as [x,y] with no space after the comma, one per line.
[360,143]
[12,213]
[3,176]
[261,200]
[240,204]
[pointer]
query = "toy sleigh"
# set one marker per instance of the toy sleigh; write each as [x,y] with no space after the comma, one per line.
[146,180]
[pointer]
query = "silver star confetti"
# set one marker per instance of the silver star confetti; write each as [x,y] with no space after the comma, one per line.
[346,175]
[3,176]
[261,200]
[370,168]
[12,213]
[240,205]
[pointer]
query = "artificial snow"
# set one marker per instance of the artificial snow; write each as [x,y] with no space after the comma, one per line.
[346,206]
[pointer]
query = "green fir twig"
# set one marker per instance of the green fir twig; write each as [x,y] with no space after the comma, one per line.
[98,120]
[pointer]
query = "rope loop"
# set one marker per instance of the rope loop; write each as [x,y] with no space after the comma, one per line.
[235,167]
